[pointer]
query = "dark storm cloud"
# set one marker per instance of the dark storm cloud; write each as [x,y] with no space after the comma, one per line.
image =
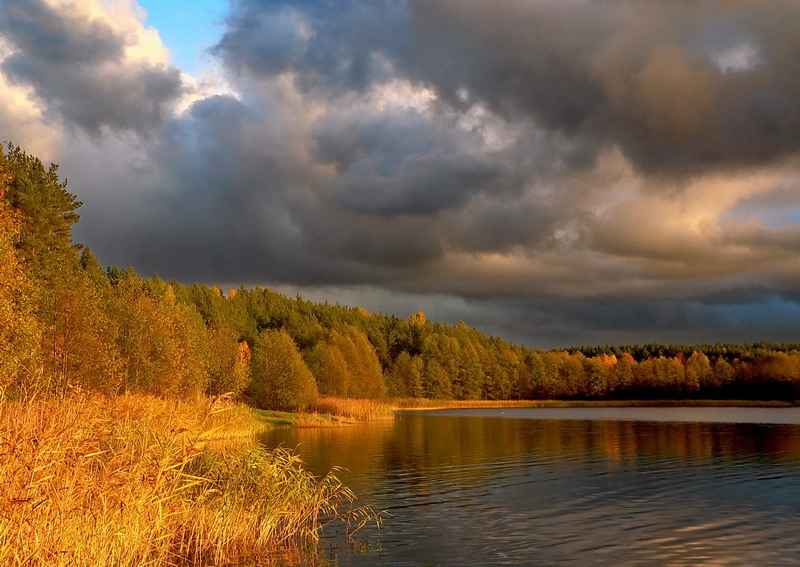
[648,76]
[347,44]
[561,82]
[403,162]
[76,66]
[500,156]
[682,88]
[555,323]
[237,203]
[222,209]
[535,168]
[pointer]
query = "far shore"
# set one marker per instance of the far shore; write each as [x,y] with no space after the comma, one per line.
[466,404]
[338,412]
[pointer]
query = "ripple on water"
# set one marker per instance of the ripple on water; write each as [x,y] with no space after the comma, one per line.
[485,491]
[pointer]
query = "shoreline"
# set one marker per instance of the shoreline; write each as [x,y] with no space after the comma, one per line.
[475,404]
[133,479]
[390,407]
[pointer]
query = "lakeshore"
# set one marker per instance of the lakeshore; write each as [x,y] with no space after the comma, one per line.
[137,480]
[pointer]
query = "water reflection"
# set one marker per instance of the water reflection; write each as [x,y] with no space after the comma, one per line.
[498,491]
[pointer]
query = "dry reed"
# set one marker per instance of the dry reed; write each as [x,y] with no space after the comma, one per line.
[138,481]
[357,409]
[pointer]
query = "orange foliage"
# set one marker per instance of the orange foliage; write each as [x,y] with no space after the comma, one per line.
[607,359]
[417,318]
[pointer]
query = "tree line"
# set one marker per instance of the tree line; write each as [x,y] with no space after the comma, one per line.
[67,324]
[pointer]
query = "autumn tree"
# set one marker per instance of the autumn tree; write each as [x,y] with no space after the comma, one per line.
[622,375]
[699,375]
[441,355]
[79,346]
[330,369]
[405,377]
[598,376]
[280,378]
[436,382]
[163,342]
[229,361]
[346,365]
[535,367]
[19,330]
[723,373]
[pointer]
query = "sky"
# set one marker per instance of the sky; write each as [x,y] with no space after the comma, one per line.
[554,172]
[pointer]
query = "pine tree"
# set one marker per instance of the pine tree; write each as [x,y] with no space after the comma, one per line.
[19,329]
[47,213]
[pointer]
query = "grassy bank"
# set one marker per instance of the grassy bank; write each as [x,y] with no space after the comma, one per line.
[330,412]
[135,481]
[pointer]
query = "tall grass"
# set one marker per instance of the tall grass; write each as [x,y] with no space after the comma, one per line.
[358,409]
[138,481]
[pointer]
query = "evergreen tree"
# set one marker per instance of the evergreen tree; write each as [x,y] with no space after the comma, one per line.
[19,329]
[47,212]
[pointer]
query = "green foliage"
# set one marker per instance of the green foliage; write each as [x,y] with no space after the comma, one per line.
[280,378]
[436,382]
[405,378]
[46,209]
[163,343]
[65,324]
[330,369]
[78,339]
[346,365]
[19,329]
[229,361]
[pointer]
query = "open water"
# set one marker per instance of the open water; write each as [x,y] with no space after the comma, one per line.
[575,486]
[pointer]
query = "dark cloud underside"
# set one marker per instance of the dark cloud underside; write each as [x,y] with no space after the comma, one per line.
[559,171]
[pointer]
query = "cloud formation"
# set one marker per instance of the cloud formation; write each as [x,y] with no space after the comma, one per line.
[556,171]
[80,67]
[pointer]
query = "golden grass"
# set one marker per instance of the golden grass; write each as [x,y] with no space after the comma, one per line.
[430,404]
[357,409]
[138,481]
[273,418]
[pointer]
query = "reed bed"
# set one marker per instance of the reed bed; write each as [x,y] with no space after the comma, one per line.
[356,409]
[430,404]
[138,481]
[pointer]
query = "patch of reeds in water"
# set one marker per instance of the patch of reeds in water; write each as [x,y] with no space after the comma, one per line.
[136,481]
[430,404]
[357,409]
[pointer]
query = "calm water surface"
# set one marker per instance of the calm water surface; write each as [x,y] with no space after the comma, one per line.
[574,486]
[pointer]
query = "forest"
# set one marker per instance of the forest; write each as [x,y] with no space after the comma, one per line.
[67,324]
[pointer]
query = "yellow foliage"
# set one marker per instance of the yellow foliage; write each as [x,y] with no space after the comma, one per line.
[19,330]
[417,318]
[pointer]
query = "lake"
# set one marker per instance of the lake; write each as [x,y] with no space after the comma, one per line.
[568,486]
